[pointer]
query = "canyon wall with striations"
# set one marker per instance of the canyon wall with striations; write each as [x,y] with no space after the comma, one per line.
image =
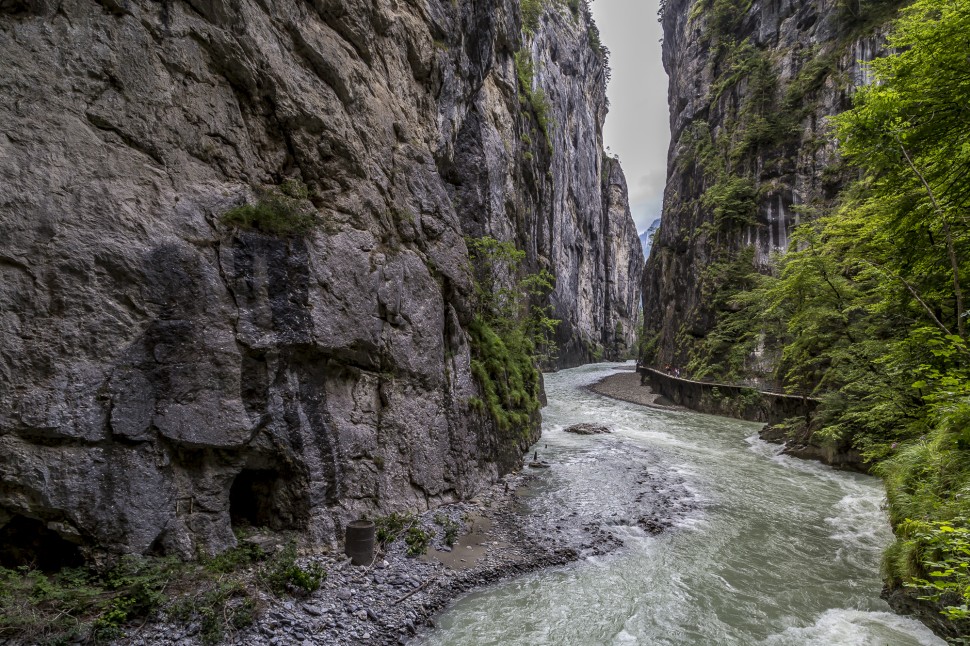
[751,156]
[163,374]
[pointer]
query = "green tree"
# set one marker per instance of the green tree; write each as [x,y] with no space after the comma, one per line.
[873,296]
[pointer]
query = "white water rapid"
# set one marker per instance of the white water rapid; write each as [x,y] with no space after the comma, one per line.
[763,549]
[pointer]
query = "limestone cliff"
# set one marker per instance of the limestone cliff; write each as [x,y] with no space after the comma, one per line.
[165,374]
[751,85]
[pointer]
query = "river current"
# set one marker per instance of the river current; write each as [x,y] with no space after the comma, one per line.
[759,548]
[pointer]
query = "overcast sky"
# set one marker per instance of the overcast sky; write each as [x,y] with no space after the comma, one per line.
[637,126]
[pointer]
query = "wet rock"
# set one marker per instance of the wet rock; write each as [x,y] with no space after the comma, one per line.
[587,429]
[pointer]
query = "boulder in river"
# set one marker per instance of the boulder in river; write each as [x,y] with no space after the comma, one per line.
[587,429]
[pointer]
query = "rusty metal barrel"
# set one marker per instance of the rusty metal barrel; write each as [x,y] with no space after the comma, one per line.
[359,543]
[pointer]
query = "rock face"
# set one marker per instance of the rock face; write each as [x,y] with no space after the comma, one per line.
[165,376]
[750,153]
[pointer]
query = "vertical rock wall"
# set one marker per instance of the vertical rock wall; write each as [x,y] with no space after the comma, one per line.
[750,90]
[163,375]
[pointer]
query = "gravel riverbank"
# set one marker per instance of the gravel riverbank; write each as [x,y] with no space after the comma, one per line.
[389,601]
[626,386]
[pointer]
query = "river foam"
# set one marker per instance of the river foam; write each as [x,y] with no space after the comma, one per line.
[754,547]
[854,628]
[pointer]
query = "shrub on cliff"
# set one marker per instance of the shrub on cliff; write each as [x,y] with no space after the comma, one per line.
[282,210]
[512,333]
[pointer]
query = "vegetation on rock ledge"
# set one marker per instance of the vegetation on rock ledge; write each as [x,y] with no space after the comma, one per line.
[282,210]
[511,334]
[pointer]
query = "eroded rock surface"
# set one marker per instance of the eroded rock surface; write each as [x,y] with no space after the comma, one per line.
[163,375]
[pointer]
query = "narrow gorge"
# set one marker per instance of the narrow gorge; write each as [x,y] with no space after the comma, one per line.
[162,362]
[329,322]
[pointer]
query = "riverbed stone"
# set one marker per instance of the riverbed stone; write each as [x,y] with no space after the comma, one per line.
[587,429]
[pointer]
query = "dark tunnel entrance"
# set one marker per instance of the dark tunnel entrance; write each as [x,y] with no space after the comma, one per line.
[265,498]
[28,542]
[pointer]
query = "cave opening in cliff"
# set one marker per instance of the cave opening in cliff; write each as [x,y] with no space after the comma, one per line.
[266,498]
[28,542]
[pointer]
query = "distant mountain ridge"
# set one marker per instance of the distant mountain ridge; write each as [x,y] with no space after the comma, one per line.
[646,238]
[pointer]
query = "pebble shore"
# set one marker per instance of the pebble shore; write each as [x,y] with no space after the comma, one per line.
[391,600]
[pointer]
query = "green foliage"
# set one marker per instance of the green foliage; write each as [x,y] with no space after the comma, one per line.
[417,541]
[593,37]
[283,574]
[494,263]
[91,604]
[868,304]
[534,99]
[722,22]
[222,606]
[531,13]
[513,305]
[81,602]
[241,556]
[732,200]
[860,16]
[506,373]
[940,552]
[524,70]
[735,291]
[393,525]
[282,210]
[511,333]
[646,343]
[451,527]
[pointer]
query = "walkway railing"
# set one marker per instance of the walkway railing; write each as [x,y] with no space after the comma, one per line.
[798,394]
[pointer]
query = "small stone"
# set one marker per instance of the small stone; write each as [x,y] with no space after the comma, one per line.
[311,609]
[344,594]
